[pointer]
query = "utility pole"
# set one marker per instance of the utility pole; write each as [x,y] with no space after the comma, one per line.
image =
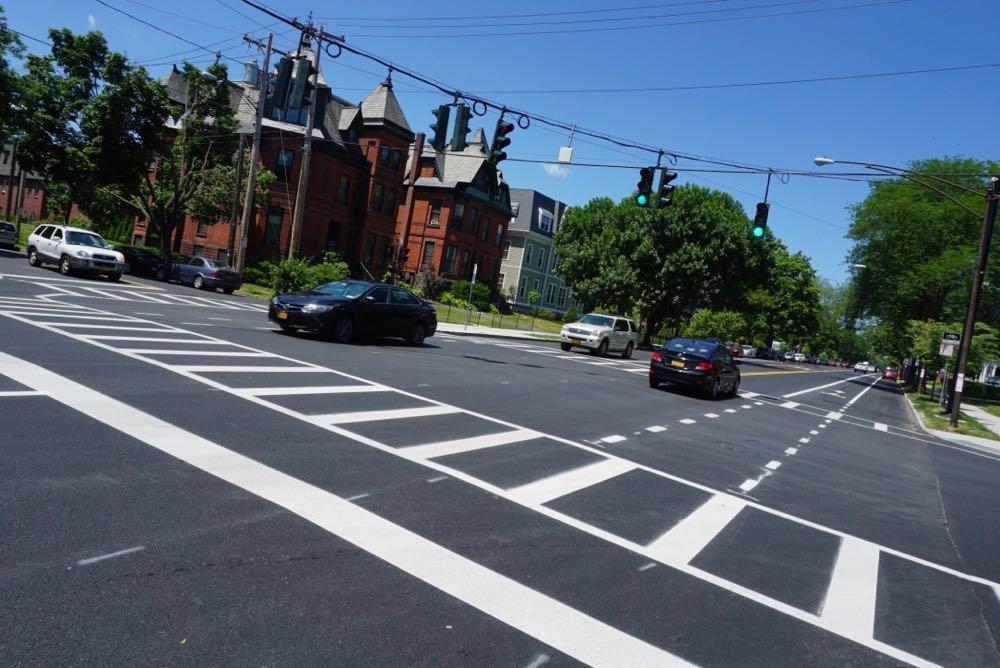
[234,214]
[303,185]
[989,218]
[254,155]
[10,178]
[418,150]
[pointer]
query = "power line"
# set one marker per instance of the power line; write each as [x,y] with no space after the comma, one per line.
[25,35]
[182,16]
[645,26]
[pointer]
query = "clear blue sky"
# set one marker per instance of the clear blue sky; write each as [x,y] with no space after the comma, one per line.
[888,120]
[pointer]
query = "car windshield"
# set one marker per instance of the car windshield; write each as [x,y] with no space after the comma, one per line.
[690,346]
[7,227]
[346,289]
[86,239]
[599,320]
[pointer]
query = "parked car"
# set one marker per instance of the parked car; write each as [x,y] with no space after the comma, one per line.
[788,356]
[345,310]
[890,373]
[822,361]
[763,353]
[736,350]
[747,351]
[798,357]
[139,261]
[864,367]
[697,363]
[200,272]
[599,334]
[74,249]
[8,235]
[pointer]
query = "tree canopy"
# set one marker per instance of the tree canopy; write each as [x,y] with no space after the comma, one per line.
[10,47]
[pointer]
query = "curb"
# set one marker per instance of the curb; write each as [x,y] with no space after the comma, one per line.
[957,439]
[493,336]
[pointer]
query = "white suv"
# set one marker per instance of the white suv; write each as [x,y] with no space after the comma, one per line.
[600,333]
[74,249]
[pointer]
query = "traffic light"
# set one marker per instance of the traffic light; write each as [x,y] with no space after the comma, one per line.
[280,93]
[645,186]
[297,97]
[665,189]
[462,115]
[440,126]
[760,220]
[500,141]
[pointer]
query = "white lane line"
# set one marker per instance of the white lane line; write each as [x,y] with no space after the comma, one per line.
[814,389]
[87,325]
[38,304]
[862,392]
[821,426]
[110,555]
[758,403]
[22,393]
[107,294]
[646,567]
[614,438]
[537,615]
[221,368]
[158,315]
[773,465]
[849,607]
[813,432]
[358,497]
[881,427]
[460,445]
[105,337]
[143,296]
[791,451]
[686,421]
[75,315]
[656,429]
[790,404]
[730,410]
[833,416]
[746,407]
[222,319]
[567,482]
[711,416]
[748,485]
[691,535]
[803,440]
[318,389]
[193,353]
[372,416]
[749,395]
[437,478]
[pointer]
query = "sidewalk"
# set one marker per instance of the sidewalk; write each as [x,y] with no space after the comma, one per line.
[974,442]
[983,417]
[479,330]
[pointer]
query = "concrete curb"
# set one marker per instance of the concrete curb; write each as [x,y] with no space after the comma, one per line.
[973,442]
[511,337]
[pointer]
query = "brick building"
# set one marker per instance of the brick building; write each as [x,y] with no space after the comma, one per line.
[461,208]
[355,179]
[33,202]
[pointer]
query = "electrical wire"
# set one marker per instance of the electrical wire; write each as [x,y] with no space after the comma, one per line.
[26,36]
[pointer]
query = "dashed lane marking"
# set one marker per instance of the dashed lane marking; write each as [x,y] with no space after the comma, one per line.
[881,427]
[773,465]
[686,421]
[791,451]
[614,438]
[656,428]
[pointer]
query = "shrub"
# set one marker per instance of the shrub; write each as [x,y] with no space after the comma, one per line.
[480,294]
[255,275]
[570,315]
[430,285]
[332,268]
[291,276]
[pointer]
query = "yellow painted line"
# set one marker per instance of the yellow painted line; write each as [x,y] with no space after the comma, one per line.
[140,285]
[780,373]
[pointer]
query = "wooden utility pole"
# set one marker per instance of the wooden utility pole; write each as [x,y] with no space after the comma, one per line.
[418,150]
[234,214]
[303,185]
[10,178]
[254,156]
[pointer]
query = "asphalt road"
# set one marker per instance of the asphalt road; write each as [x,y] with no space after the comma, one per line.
[182,483]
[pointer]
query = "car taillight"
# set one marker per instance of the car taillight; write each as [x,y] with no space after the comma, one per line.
[215,274]
[704,366]
[657,357]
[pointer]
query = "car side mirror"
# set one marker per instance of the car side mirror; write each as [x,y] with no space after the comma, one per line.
[370,299]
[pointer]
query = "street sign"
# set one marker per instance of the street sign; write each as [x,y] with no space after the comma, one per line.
[950,338]
[946,349]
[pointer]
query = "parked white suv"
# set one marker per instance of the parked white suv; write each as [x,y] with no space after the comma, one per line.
[600,333]
[864,367]
[74,249]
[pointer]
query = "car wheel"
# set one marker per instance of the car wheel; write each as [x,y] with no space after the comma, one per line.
[343,330]
[417,336]
[600,350]
[228,291]
[286,328]
[713,391]
[199,283]
[161,274]
[565,347]
[33,258]
[627,353]
[64,266]
[735,390]
[114,277]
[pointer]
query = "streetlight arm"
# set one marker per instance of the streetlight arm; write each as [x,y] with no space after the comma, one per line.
[907,175]
[903,172]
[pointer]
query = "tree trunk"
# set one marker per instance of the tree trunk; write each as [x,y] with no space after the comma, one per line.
[647,336]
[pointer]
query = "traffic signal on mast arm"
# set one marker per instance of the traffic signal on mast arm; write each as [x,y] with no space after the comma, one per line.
[440,126]
[462,115]
[644,187]
[760,220]
[500,141]
[297,97]
[665,189]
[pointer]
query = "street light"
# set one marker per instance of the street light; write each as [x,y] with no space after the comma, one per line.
[989,218]
[860,266]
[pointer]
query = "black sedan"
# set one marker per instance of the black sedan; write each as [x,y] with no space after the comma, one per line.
[705,365]
[139,261]
[344,310]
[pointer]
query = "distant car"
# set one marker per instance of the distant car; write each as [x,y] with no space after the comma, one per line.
[747,351]
[139,261]
[763,353]
[599,334]
[8,235]
[200,272]
[863,367]
[788,356]
[798,357]
[822,361]
[890,373]
[736,350]
[697,363]
[74,249]
[345,310]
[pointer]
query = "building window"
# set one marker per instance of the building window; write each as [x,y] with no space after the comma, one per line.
[222,257]
[555,263]
[541,258]
[450,256]
[562,296]
[272,232]
[544,221]
[377,197]
[514,208]
[457,214]
[390,202]
[425,265]
[474,220]
[506,249]
[383,157]
[435,213]
[395,159]
[550,293]
[499,238]
[198,251]
[6,155]
[534,285]
[520,287]
[283,165]
[344,189]
[332,235]
[527,253]
[369,247]
[202,228]
[501,279]
[466,257]
[485,232]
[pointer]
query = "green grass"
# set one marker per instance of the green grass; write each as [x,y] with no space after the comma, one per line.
[520,321]
[251,290]
[26,229]
[931,413]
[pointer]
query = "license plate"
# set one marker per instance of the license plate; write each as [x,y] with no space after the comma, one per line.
[576,341]
[677,363]
[282,315]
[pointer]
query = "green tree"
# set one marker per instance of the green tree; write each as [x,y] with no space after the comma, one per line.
[726,325]
[10,83]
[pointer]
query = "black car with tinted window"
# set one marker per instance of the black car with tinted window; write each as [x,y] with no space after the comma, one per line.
[704,365]
[344,310]
[139,261]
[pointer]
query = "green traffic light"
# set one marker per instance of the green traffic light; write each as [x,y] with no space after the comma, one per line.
[758,231]
[642,200]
